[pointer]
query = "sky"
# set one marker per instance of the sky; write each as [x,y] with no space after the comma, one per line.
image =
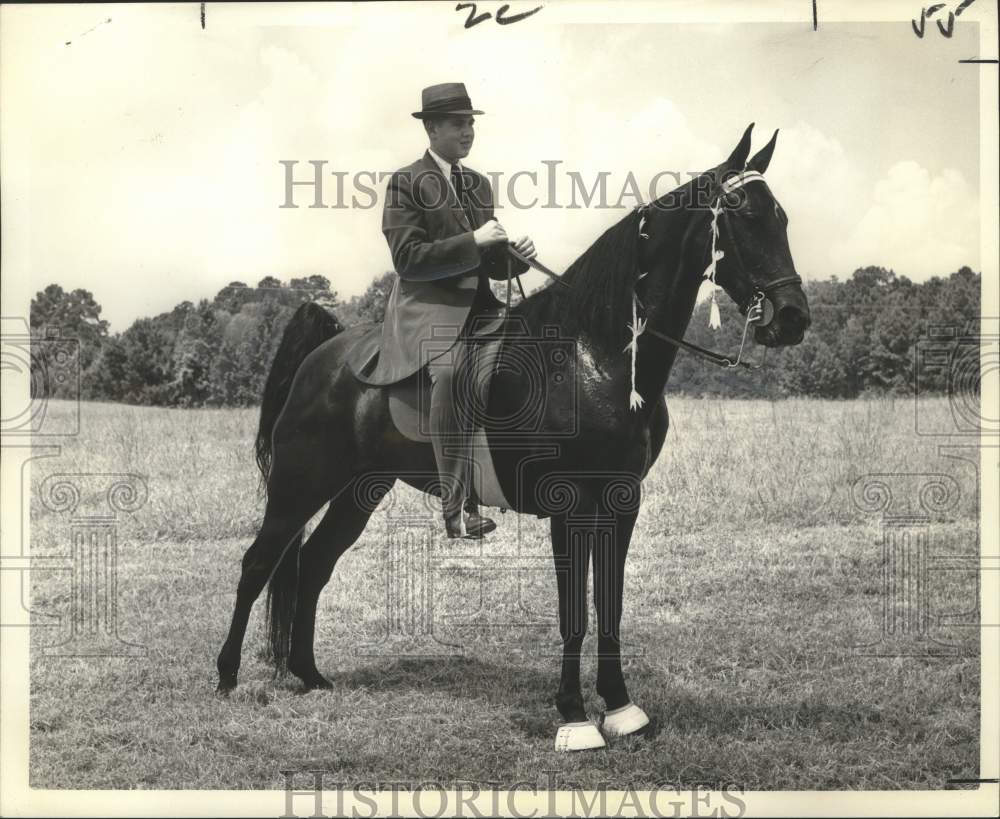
[143,159]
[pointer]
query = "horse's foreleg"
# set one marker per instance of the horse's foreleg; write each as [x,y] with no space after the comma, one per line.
[341,526]
[610,551]
[571,552]
[571,546]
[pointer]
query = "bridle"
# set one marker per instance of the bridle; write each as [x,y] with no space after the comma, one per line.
[727,187]
[754,309]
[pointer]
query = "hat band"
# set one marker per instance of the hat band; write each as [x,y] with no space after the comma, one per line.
[450,104]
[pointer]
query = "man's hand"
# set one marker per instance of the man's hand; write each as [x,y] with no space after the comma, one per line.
[489,234]
[525,247]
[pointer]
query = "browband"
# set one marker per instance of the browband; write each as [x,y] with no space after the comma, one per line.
[740,180]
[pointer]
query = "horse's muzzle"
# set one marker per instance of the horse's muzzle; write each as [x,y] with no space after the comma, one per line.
[789,318]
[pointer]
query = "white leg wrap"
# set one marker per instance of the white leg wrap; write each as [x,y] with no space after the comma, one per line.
[625,720]
[578,736]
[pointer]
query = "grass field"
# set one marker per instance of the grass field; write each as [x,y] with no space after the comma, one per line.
[752,579]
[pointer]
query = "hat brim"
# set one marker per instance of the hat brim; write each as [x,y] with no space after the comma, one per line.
[427,114]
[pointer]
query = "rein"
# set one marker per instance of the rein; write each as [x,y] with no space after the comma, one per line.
[754,311]
[754,314]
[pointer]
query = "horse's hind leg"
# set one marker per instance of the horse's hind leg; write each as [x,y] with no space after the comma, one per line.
[284,519]
[341,526]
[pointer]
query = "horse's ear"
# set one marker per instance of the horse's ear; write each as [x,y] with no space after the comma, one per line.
[738,158]
[763,157]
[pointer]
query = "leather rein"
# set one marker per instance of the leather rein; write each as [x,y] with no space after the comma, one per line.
[754,310]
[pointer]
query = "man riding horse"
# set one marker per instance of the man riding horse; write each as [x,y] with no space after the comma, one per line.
[446,246]
[326,437]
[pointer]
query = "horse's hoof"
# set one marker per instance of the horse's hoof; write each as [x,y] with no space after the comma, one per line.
[579,736]
[311,678]
[224,687]
[629,719]
[317,681]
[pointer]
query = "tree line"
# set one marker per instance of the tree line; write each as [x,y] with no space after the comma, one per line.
[864,338]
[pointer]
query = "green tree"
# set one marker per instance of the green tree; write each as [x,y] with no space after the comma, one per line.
[74,318]
[233,296]
[105,379]
[136,367]
[812,368]
[73,315]
[365,307]
[270,288]
[194,348]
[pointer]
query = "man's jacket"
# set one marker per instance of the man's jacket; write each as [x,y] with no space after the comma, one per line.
[443,277]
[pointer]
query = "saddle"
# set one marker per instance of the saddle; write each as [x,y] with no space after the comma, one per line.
[410,401]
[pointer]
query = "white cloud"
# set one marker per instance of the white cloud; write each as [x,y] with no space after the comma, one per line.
[656,138]
[915,223]
[820,189]
[911,221]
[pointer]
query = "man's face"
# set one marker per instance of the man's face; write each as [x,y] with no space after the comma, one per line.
[451,137]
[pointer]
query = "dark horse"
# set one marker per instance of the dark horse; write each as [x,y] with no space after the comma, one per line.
[321,430]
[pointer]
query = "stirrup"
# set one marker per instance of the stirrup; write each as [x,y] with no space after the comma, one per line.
[455,526]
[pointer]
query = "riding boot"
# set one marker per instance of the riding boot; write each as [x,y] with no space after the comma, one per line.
[450,440]
[476,525]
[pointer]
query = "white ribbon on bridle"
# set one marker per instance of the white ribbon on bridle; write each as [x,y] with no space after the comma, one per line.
[636,328]
[714,319]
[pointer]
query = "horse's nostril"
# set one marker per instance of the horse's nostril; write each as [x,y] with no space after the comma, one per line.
[792,320]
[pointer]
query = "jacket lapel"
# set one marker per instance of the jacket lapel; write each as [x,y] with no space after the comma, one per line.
[457,212]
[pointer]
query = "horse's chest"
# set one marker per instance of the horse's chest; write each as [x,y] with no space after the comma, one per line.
[619,439]
[601,391]
[594,373]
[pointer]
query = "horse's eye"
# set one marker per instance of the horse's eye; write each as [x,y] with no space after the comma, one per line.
[732,200]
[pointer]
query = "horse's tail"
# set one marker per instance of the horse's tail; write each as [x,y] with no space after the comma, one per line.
[309,327]
[282,591]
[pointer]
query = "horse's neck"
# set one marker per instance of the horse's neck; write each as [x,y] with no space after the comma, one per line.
[670,304]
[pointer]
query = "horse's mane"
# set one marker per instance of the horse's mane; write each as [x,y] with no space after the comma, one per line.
[599,288]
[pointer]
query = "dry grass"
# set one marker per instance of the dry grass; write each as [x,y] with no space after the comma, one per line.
[751,581]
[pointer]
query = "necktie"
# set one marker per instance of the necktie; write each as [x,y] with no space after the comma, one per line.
[458,180]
